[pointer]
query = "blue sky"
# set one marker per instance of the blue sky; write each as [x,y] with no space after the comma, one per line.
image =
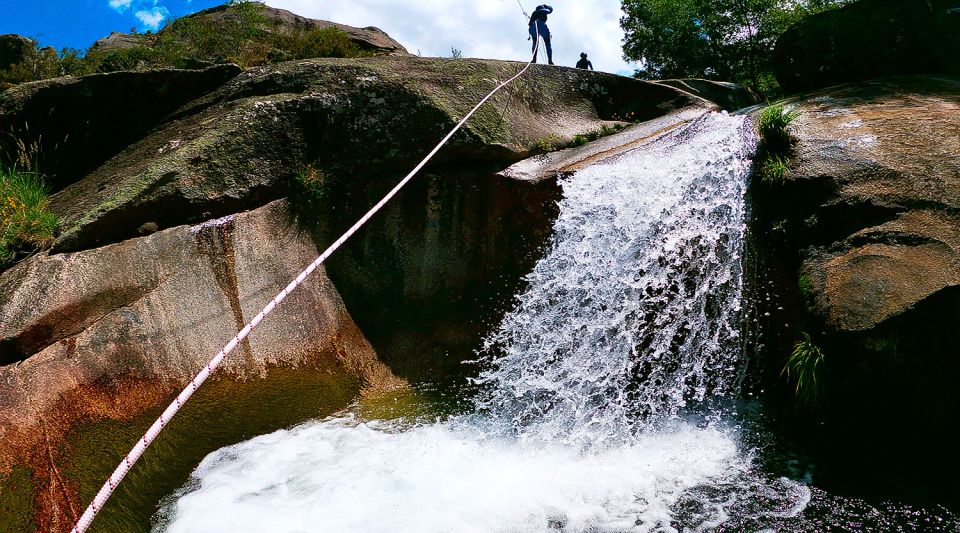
[483,28]
[78,23]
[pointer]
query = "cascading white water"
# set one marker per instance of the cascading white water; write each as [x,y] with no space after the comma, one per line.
[631,316]
[635,311]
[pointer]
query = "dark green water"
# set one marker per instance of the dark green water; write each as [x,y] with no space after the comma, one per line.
[225,411]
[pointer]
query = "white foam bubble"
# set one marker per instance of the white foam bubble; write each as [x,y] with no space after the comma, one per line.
[342,476]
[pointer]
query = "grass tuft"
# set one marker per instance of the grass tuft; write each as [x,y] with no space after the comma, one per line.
[26,224]
[774,128]
[774,170]
[581,139]
[805,368]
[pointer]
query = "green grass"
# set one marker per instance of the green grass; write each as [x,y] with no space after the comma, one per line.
[581,139]
[804,369]
[774,128]
[26,224]
[545,145]
[774,170]
[776,143]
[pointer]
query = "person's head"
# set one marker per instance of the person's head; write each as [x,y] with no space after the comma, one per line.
[583,55]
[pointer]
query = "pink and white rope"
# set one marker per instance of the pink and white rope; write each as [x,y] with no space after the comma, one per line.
[124,467]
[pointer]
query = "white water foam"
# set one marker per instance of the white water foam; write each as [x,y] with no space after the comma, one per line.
[632,316]
[339,476]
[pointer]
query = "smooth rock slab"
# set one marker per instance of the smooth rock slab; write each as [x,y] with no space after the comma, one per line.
[110,333]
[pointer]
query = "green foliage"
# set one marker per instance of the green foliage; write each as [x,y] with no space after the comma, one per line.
[805,286]
[581,139]
[776,144]
[804,369]
[238,36]
[317,42]
[717,39]
[308,190]
[243,35]
[774,170]
[774,128]
[126,59]
[26,224]
[42,63]
[545,145]
[455,53]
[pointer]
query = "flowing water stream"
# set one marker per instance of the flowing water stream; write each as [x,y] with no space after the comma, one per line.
[604,403]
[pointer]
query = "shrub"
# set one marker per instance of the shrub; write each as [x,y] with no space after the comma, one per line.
[581,139]
[240,37]
[773,128]
[26,224]
[126,59]
[545,144]
[805,368]
[316,42]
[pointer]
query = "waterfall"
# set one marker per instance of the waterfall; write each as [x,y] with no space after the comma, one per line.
[631,318]
[635,311]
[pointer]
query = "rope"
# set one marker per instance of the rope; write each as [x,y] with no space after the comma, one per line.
[124,467]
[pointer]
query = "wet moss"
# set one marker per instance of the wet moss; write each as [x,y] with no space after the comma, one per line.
[223,412]
[16,501]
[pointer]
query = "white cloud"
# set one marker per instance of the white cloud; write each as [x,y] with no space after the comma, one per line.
[489,28]
[121,5]
[152,18]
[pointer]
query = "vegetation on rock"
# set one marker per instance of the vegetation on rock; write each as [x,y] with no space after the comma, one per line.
[730,40]
[244,35]
[804,368]
[26,224]
[581,139]
[776,144]
[773,126]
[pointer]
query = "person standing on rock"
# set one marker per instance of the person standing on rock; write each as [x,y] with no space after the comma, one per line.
[584,63]
[538,26]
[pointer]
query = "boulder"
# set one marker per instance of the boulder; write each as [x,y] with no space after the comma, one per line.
[863,242]
[369,39]
[241,145]
[875,187]
[111,333]
[14,49]
[729,96]
[79,123]
[117,41]
[869,39]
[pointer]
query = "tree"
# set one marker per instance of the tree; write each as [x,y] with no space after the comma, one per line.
[715,39]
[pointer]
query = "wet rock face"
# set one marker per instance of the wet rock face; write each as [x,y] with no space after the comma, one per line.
[81,122]
[729,96]
[239,147]
[869,39]
[435,271]
[872,197]
[863,239]
[132,322]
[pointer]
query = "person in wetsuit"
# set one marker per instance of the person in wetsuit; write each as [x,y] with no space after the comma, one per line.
[584,63]
[538,26]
